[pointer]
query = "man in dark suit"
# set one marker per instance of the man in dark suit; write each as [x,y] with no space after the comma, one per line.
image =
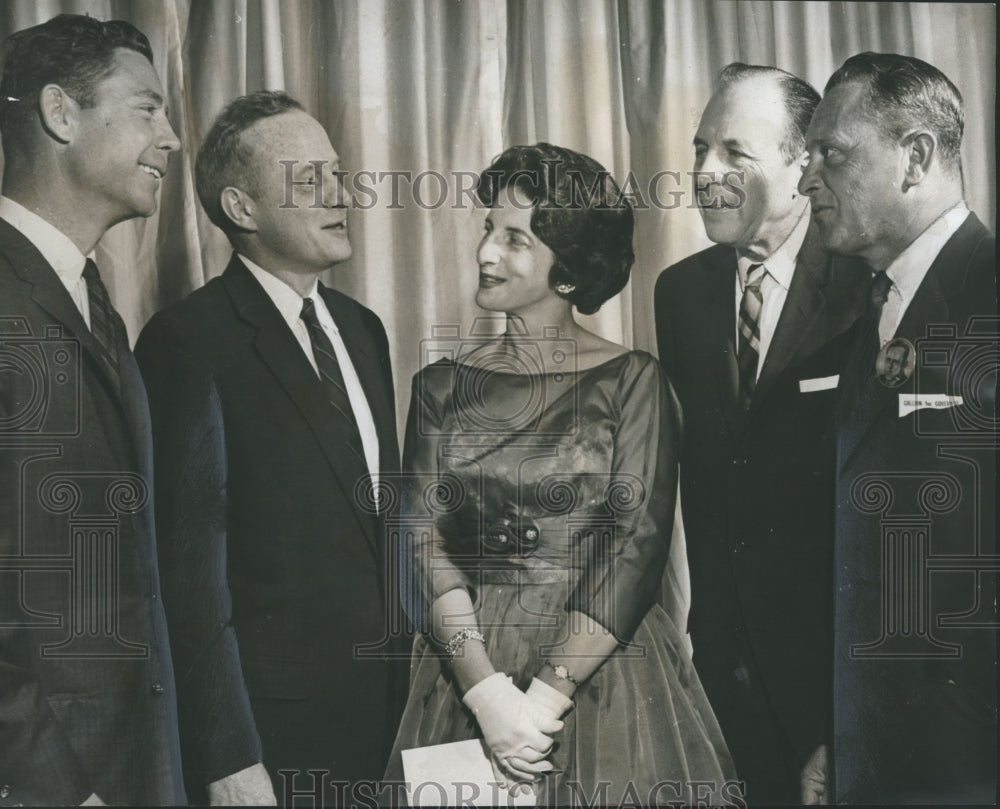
[915,635]
[87,702]
[272,400]
[752,335]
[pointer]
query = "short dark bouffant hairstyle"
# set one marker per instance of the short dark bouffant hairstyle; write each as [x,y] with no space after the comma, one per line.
[906,93]
[801,100]
[226,159]
[578,212]
[70,50]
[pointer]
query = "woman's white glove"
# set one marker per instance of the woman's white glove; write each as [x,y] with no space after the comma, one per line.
[548,698]
[513,726]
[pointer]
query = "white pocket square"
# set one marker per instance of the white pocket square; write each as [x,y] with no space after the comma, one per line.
[820,383]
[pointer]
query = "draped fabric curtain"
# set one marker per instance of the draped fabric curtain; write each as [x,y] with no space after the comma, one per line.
[417,92]
[419,95]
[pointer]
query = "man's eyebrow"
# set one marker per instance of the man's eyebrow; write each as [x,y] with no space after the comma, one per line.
[152,95]
[735,143]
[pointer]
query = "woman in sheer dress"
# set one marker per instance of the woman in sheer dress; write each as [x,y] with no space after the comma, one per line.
[543,469]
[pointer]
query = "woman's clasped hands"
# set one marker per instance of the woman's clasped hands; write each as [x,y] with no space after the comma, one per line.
[517,726]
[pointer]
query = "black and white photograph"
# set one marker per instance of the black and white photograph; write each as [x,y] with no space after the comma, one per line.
[498,403]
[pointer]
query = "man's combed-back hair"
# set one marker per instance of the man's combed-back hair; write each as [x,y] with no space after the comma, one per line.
[72,51]
[801,100]
[904,94]
[226,158]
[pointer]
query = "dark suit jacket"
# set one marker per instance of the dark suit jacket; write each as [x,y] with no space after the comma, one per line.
[273,571]
[757,487]
[915,678]
[87,700]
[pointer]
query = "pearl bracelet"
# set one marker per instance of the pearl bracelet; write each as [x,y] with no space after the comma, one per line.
[457,641]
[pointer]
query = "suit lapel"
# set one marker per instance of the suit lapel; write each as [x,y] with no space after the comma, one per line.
[944,279]
[719,306]
[49,293]
[803,305]
[279,350]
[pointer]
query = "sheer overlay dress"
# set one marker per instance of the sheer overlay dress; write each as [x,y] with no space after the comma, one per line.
[543,494]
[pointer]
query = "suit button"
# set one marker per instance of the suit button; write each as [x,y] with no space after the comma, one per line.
[157,688]
[741,545]
[5,792]
[741,674]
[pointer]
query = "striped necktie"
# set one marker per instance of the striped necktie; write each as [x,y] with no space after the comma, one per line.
[748,349]
[105,323]
[331,375]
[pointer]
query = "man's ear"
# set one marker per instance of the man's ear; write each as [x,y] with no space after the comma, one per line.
[239,207]
[59,112]
[920,152]
[799,165]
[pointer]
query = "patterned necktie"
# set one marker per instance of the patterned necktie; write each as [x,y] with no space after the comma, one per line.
[748,350]
[330,374]
[105,323]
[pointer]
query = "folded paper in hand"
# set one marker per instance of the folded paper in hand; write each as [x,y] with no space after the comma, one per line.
[455,774]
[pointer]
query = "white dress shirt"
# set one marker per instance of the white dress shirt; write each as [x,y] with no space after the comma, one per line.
[289,304]
[55,247]
[910,267]
[778,271]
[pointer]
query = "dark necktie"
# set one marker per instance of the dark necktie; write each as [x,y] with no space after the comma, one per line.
[861,369]
[330,374]
[105,323]
[748,350]
[869,341]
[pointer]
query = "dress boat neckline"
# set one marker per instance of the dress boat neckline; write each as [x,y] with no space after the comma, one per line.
[616,358]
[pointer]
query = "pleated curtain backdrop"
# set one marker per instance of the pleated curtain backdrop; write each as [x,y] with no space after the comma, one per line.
[441,86]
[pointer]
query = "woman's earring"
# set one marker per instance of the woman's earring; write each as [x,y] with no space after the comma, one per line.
[564,289]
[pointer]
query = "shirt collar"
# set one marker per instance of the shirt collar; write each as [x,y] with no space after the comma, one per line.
[288,301]
[908,269]
[780,265]
[54,245]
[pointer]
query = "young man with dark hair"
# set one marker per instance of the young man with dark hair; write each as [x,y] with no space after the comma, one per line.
[87,701]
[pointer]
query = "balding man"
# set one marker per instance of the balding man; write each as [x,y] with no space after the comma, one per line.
[752,333]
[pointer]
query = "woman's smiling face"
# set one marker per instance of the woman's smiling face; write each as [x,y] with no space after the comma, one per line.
[514,263]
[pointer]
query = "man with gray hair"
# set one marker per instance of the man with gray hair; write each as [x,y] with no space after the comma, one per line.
[915,654]
[752,333]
